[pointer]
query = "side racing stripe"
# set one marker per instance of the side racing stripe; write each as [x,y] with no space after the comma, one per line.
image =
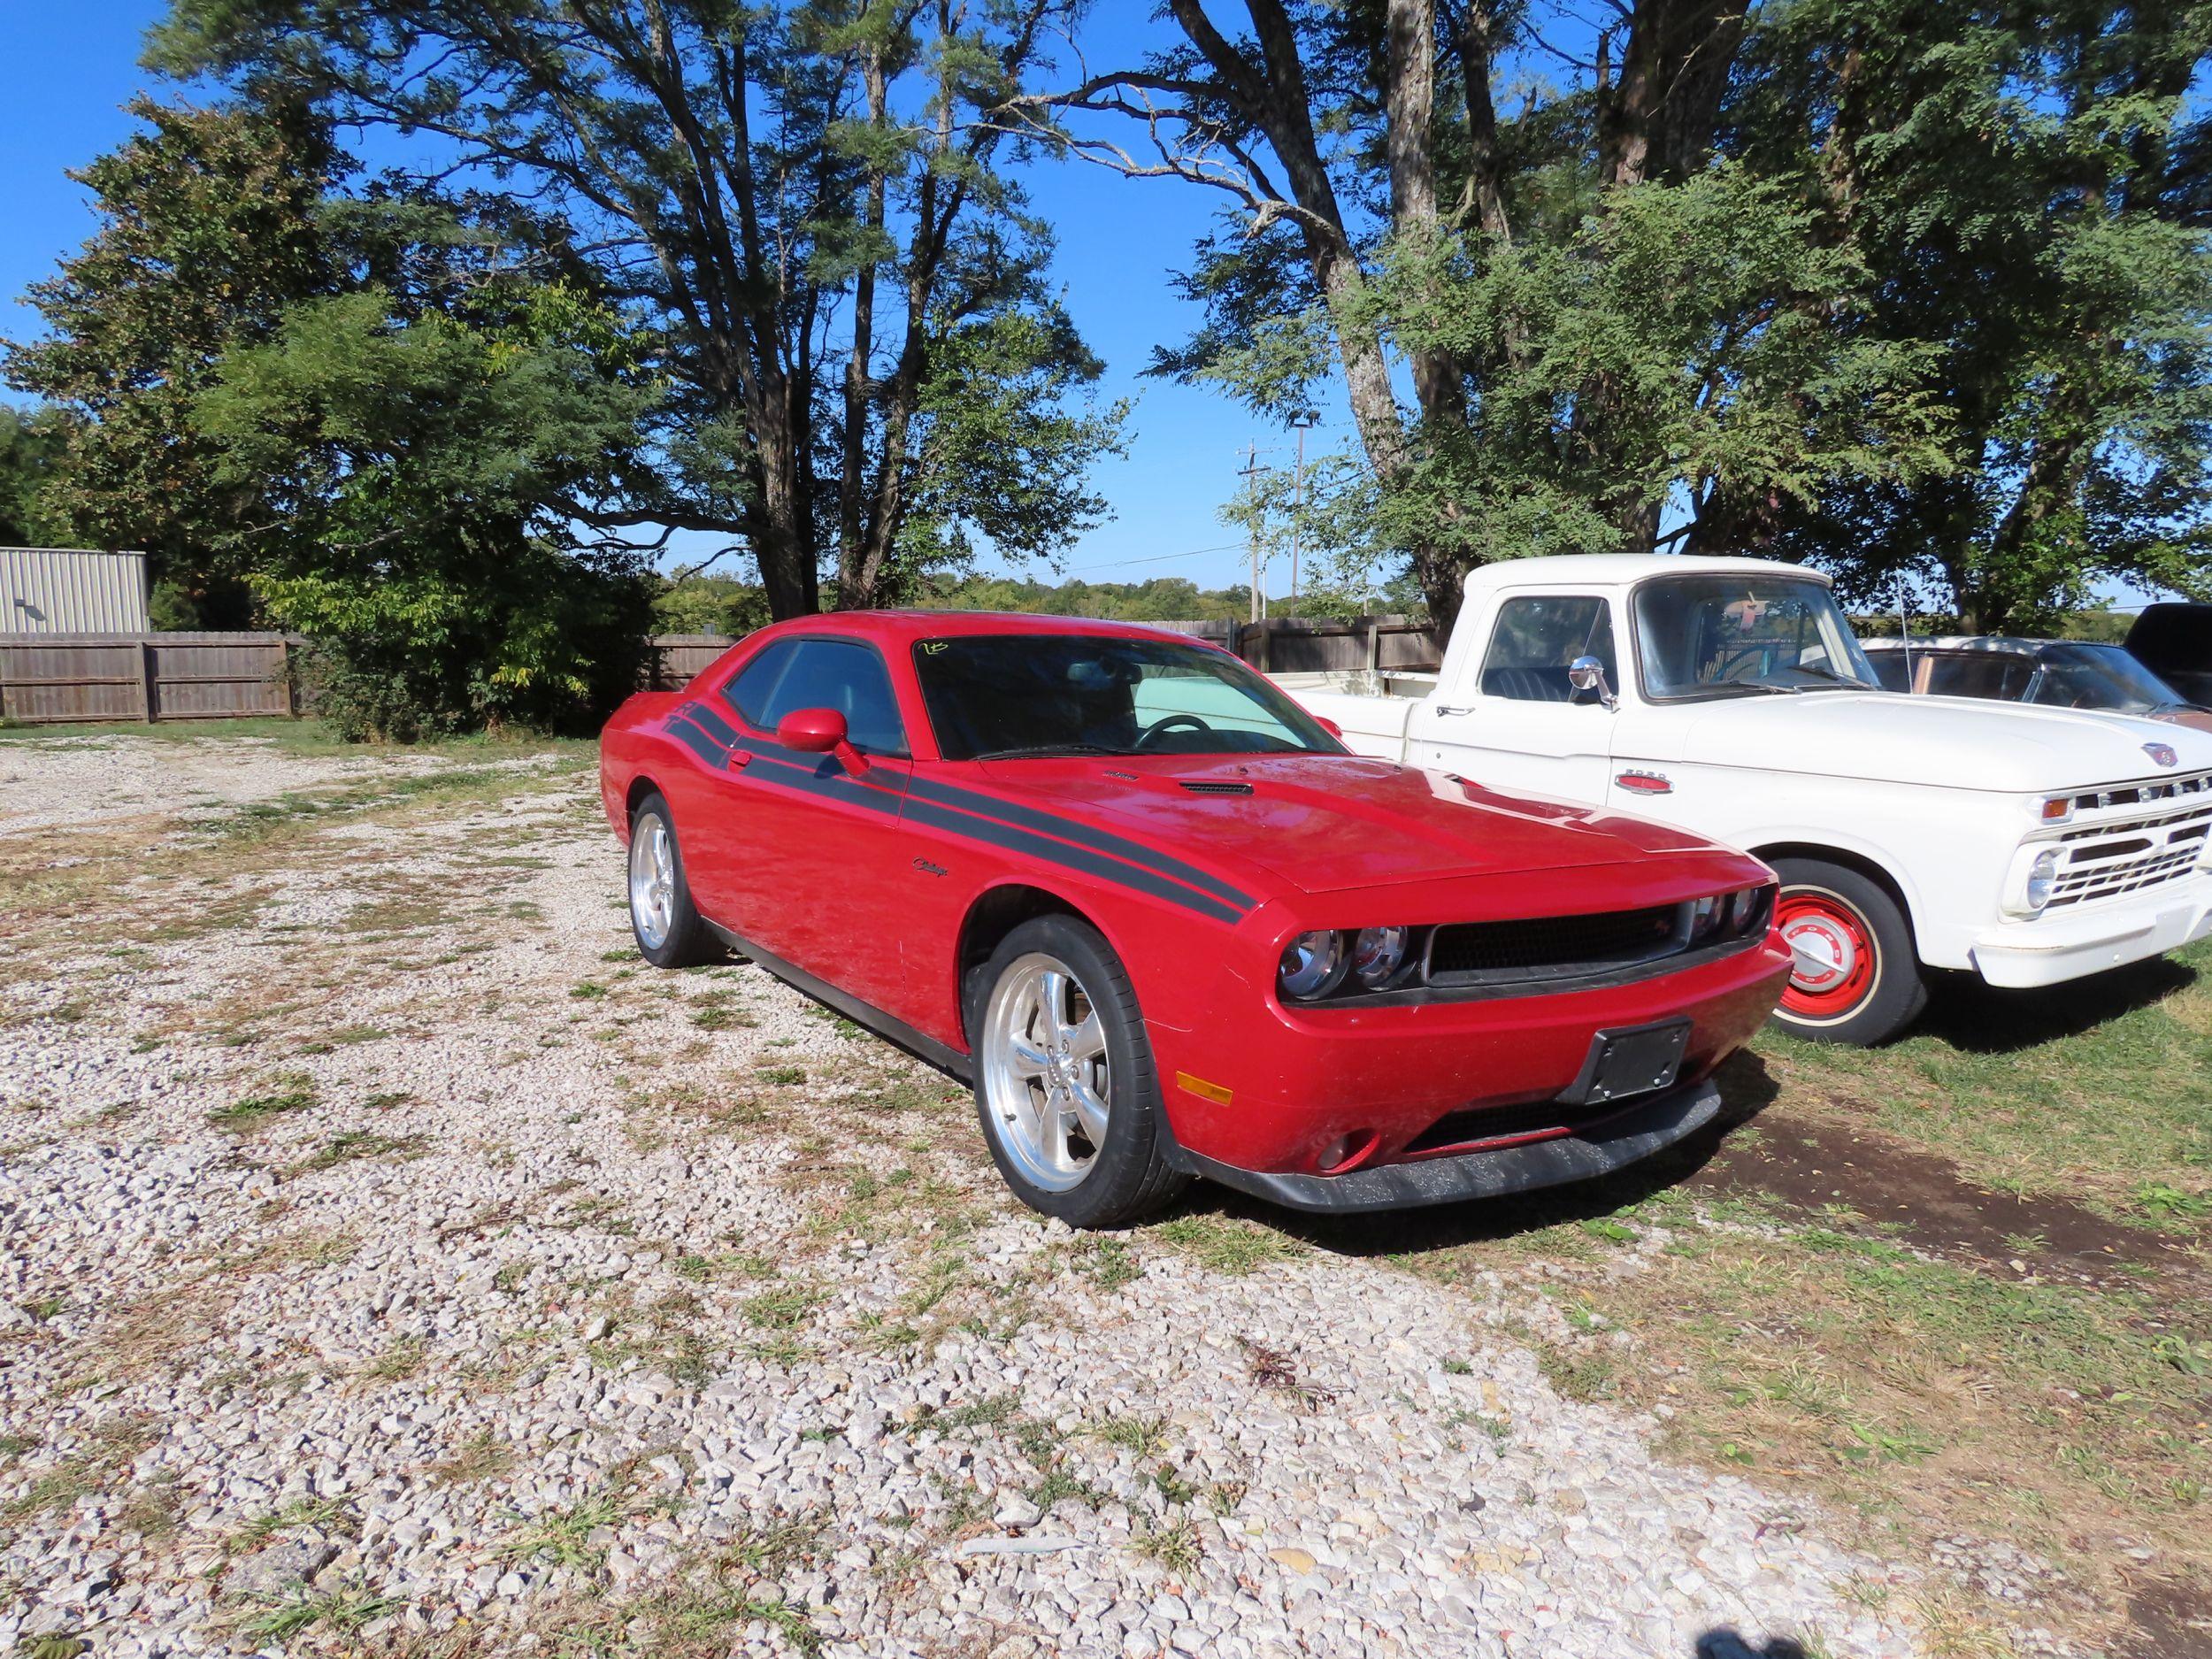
[973,815]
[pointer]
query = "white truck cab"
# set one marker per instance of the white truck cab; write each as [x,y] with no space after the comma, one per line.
[2029,846]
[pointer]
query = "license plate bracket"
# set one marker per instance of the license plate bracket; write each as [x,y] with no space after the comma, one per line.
[1630,1060]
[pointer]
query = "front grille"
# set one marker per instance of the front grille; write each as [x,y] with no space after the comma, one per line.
[1218,788]
[2105,860]
[1552,947]
[2147,792]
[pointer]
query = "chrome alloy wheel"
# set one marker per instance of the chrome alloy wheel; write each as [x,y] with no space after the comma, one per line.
[652,880]
[1045,1076]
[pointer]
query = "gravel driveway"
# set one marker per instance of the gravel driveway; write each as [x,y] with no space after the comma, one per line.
[392,1263]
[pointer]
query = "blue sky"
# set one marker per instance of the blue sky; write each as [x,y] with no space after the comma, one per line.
[66,71]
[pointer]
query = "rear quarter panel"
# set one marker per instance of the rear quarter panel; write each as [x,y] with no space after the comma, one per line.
[626,746]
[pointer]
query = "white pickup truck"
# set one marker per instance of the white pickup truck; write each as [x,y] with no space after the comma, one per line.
[2027,845]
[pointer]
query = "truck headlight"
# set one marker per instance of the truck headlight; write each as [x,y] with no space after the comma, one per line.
[1311,964]
[1377,953]
[2035,879]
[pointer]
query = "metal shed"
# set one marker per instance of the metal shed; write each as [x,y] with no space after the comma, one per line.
[71,590]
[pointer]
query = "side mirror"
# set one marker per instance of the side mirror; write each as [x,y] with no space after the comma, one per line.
[821,731]
[1586,674]
[1328,726]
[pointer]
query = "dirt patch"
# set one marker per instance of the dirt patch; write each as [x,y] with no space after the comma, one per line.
[1920,1199]
[2169,1621]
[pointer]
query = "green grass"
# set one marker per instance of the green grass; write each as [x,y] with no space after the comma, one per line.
[306,736]
[292,1094]
[2099,1092]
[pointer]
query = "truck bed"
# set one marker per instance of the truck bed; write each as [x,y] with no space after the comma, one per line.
[1373,710]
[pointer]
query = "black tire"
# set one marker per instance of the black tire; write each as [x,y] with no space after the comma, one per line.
[1819,896]
[1129,1176]
[688,941]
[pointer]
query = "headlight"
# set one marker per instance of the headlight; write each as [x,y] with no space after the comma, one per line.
[1706,915]
[1747,911]
[1377,953]
[2042,879]
[1311,964]
[2034,880]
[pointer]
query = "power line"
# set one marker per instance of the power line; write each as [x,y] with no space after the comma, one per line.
[1161,559]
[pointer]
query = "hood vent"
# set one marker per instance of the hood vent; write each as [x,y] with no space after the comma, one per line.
[1215,788]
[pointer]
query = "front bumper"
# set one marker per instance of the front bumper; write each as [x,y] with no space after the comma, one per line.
[1641,1128]
[2052,949]
[1267,1091]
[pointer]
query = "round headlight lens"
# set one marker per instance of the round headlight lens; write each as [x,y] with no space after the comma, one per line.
[1311,964]
[1377,953]
[2042,880]
[1705,916]
[1743,910]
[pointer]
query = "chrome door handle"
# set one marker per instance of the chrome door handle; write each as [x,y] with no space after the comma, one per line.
[1445,709]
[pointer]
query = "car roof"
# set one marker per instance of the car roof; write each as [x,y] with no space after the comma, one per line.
[900,627]
[1618,570]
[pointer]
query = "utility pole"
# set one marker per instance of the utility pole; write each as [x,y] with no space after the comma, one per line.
[1250,474]
[1301,423]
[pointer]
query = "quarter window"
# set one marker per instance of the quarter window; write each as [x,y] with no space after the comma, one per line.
[1536,640]
[1982,674]
[840,674]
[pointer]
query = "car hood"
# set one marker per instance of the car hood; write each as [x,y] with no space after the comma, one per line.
[1956,742]
[1326,823]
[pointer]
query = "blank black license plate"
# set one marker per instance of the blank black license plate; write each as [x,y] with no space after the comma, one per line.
[1630,1060]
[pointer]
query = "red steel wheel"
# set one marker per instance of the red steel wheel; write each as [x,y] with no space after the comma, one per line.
[1834,958]
[1854,976]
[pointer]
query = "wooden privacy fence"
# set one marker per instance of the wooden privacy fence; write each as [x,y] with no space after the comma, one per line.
[53,678]
[50,679]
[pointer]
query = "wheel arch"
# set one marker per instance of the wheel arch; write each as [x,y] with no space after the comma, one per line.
[997,911]
[1872,868]
[640,785]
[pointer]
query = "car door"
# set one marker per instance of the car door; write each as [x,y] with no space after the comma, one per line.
[804,849]
[1516,723]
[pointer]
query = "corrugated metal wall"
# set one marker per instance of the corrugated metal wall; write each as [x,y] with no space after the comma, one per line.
[68,590]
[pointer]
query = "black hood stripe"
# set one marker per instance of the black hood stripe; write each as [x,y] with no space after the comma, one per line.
[1083,834]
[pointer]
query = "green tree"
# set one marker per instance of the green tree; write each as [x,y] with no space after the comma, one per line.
[420,466]
[2027,186]
[801,198]
[30,452]
[210,228]
[1887,287]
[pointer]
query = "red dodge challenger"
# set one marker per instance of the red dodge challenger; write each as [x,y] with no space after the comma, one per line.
[1167,926]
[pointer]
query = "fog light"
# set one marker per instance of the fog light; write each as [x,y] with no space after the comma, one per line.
[1311,964]
[1346,1150]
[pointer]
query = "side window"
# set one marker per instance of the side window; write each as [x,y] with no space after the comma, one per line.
[756,681]
[1979,674]
[1889,668]
[1535,641]
[839,674]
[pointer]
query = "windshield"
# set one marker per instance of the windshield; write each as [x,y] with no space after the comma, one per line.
[2100,677]
[1007,694]
[1710,636]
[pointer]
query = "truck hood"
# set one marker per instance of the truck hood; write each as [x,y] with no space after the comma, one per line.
[1954,743]
[1326,823]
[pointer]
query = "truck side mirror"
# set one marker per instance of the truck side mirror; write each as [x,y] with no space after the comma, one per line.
[1587,674]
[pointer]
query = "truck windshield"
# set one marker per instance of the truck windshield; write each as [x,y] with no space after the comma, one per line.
[1713,636]
[1004,695]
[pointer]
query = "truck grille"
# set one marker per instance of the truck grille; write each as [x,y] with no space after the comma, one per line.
[2106,860]
[1552,947]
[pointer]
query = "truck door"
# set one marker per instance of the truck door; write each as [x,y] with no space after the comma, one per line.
[1514,722]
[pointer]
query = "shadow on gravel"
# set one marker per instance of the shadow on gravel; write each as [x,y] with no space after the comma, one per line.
[1725,1644]
[1976,1018]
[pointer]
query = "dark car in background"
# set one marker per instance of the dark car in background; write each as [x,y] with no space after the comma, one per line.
[2174,642]
[2052,673]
